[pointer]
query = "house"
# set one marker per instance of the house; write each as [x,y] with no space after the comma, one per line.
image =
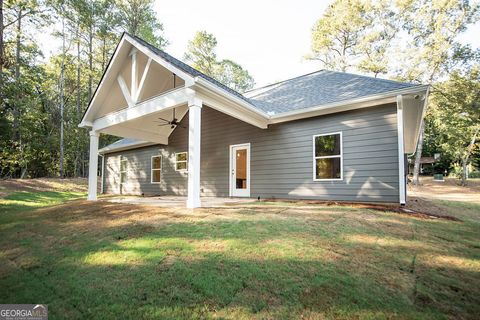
[324,135]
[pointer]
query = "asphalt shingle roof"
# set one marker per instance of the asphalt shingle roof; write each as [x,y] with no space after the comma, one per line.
[310,90]
[317,89]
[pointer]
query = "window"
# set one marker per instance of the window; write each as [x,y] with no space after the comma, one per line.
[156,169]
[327,157]
[181,161]
[123,170]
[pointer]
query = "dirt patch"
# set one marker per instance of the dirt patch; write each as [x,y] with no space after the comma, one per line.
[419,208]
[450,190]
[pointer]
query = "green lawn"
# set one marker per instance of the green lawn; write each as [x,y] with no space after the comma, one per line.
[29,200]
[282,261]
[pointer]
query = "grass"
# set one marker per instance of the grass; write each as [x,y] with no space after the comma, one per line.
[29,200]
[108,261]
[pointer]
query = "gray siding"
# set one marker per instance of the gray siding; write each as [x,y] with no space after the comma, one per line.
[281,158]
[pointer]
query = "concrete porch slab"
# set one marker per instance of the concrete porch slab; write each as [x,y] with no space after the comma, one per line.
[177,201]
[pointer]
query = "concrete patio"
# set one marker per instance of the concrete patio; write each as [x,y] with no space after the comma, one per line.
[178,201]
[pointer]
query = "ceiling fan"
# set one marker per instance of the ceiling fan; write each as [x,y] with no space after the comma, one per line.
[172,123]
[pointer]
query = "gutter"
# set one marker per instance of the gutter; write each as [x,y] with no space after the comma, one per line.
[240,101]
[345,103]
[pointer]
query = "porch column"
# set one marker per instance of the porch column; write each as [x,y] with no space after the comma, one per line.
[194,132]
[93,166]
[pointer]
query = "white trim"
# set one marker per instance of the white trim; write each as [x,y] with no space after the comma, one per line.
[230,172]
[120,171]
[142,81]
[424,111]
[93,166]
[163,102]
[152,169]
[134,79]
[231,96]
[85,123]
[182,161]
[126,94]
[189,80]
[327,157]
[401,151]
[127,146]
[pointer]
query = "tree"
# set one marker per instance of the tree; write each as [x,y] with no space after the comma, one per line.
[455,111]
[138,18]
[432,27]
[202,56]
[234,76]
[354,34]
[201,53]
[411,40]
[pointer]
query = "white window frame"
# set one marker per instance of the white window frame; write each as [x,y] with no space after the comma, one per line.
[326,157]
[122,159]
[186,162]
[152,169]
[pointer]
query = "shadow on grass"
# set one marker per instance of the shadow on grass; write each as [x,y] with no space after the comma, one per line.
[274,268]
[24,201]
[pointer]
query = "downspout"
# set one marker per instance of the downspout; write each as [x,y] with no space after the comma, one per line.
[401,153]
[102,177]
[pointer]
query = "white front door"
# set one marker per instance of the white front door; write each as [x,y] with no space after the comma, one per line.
[240,170]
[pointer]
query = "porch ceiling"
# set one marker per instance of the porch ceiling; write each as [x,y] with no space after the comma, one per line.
[147,128]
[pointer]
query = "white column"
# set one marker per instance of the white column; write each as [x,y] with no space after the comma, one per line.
[92,166]
[194,132]
[401,151]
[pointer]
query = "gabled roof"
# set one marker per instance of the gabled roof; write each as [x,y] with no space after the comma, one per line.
[186,68]
[306,91]
[313,94]
[319,88]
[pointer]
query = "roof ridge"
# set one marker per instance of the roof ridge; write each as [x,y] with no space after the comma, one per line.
[275,83]
[370,77]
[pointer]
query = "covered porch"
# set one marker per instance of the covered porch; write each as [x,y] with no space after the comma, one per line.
[144,96]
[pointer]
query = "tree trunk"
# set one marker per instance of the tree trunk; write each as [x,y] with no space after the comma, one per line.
[16,108]
[418,155]
[464,171]
[1,47]
[79,109]
[90,61]
[467,156]
[62,72]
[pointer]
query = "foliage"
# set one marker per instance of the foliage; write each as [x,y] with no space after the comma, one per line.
[353,34]
[138,18]
[411,40]
[455,113]
[201,55]
[43,101]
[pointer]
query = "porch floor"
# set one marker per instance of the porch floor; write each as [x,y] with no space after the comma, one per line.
[178,201]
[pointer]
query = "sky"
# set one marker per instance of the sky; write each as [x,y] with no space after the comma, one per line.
[268,38]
